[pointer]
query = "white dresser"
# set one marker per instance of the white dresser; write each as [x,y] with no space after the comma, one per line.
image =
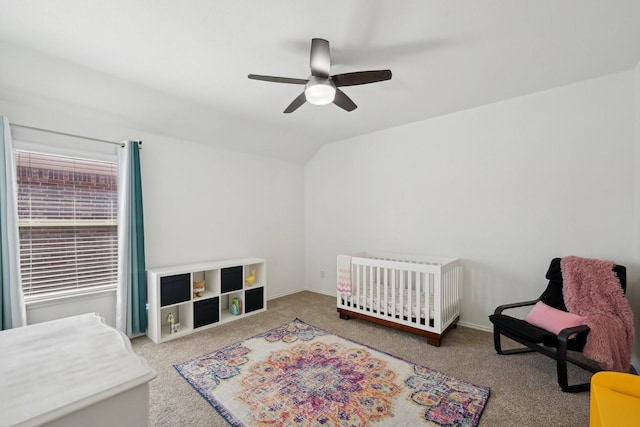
[70,372]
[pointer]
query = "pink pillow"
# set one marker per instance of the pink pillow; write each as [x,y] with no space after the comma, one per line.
[552,319]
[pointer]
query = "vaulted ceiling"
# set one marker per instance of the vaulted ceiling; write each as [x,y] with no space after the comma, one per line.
[180,68]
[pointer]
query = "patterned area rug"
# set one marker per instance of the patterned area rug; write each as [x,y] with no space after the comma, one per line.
[299,375]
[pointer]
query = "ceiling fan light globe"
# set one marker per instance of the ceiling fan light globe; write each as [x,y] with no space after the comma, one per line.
[320,93]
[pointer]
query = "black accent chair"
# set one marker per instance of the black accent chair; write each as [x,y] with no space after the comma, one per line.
[557,347]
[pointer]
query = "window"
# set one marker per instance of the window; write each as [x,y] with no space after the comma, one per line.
[67,221]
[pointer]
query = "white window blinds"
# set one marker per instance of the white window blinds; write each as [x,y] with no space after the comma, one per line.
[67,220]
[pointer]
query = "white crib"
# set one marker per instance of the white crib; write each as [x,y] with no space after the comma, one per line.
[418,294]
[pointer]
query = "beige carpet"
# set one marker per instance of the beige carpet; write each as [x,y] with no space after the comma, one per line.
[524,390]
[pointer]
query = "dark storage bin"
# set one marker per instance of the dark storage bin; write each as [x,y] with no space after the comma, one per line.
[254,299]
[206,312]
[175,289]
[231,279]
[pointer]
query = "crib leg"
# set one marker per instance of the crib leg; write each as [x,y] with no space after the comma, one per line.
[344,316]
[434,341]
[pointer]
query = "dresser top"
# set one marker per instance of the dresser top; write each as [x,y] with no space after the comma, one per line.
[54,368]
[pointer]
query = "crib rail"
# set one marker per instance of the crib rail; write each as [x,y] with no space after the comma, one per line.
[416,291]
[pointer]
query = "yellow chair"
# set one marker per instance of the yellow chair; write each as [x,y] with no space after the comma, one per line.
[615,399]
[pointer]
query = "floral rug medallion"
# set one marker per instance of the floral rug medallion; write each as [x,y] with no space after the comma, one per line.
[299,375]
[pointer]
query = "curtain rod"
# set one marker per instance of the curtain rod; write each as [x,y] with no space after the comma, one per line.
[69,134]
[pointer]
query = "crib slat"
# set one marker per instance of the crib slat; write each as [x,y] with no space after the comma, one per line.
[358,284]
[369,286]
[401,299]
[409,292]
[386,291]
[377,289]
[448,302]
[365,274]
[393,291]
[418,296]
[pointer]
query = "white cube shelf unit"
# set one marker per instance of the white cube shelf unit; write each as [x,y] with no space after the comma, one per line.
[233,289]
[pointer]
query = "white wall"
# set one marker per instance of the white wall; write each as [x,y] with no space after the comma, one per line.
[203,203]
[200,202]
[505,187]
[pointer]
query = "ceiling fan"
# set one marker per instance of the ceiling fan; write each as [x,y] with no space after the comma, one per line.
[322,88]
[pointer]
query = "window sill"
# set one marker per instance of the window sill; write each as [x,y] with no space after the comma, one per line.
[44,301]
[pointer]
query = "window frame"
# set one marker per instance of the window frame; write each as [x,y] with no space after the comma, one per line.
[68,147]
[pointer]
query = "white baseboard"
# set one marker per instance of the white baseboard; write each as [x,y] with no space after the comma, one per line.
[474,326]
[329,294]
[295,291]
[284,294]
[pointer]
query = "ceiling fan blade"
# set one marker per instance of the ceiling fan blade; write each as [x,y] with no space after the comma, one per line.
[361,77]
[278,79]
[301,99]
[320,58]
[343,101]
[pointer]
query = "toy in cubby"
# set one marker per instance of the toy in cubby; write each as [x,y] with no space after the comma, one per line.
[252,278]
[198,288]
[173,325]
[236,307]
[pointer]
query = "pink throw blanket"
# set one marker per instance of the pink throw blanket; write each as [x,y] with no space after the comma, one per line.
[344,274]
[592,289]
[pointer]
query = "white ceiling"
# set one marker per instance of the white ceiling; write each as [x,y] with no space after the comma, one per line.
[181,67]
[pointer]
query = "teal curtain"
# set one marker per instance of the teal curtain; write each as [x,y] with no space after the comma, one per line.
[12,310]
[131,306]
